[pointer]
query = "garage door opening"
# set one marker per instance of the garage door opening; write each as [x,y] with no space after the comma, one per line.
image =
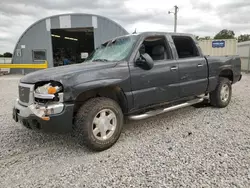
[71,45]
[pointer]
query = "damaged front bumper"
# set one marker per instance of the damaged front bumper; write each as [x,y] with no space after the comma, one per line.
[55,117]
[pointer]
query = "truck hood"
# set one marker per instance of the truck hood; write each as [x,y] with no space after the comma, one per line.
[63,73]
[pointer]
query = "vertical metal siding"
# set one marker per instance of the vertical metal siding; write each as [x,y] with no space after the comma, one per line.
[55,22]
[106,30]
[244,52]
[229,49]
[81,21]
[37,37]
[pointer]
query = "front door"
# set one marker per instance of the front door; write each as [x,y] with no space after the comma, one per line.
[159,84]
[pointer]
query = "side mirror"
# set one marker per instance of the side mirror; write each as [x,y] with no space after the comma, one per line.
[145,61]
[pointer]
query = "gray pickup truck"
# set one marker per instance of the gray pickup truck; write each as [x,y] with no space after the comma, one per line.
[135,76]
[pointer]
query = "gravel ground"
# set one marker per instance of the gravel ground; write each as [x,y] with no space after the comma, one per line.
[191,147]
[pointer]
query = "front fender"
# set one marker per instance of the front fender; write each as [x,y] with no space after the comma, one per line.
[86,86]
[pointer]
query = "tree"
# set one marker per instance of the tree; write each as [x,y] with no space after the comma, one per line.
[1,55]
[225,34]
[7,54]
[197,37]
[243,38]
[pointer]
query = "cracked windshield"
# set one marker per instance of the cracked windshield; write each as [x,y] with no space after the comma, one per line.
[114,50]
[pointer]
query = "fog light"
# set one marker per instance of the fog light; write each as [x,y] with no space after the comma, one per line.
[44,112]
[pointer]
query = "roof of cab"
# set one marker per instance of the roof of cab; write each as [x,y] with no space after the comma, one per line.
[163,33]
[151,33]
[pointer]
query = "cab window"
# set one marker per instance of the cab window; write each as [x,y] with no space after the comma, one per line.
[156,47]
[185,47]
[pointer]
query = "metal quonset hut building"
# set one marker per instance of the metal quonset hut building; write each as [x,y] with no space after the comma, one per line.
[63,39]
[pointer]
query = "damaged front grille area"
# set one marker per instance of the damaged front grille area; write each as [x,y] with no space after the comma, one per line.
[26,94]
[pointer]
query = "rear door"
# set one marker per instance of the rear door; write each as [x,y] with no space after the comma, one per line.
[193,69]
[159,84]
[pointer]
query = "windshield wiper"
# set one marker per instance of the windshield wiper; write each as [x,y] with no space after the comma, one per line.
[104,60]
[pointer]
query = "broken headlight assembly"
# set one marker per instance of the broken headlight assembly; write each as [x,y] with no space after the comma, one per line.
[48,98]
[48,92]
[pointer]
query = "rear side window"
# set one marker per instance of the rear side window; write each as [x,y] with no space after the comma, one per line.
[185,47]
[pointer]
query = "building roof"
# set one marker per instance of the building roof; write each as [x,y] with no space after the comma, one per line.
[73,14]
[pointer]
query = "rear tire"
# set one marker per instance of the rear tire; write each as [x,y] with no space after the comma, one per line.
[221,96]
[98,123]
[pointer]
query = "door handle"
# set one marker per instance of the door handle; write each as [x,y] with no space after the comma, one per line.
[199,65]
[174,68]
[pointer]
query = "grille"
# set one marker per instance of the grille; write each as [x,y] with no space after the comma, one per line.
[24,93]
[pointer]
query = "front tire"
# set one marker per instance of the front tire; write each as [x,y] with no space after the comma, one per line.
[221,96]
[99,123]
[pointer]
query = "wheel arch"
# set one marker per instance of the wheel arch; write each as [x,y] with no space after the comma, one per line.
[113,92]
[227,73]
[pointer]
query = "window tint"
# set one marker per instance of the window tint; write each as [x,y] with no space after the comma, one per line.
[156,47]
[185,47]
[39,55]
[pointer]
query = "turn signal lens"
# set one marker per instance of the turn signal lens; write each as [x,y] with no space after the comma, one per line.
[52,90]
[46,118]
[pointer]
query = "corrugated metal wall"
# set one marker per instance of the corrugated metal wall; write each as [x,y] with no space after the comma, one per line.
[244,53]
[38,36]
[230,47]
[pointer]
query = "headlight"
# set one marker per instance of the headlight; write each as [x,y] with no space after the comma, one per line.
[48,89]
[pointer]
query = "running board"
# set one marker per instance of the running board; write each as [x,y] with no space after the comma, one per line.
[161,111]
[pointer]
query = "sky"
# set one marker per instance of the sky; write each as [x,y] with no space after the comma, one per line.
[198,17]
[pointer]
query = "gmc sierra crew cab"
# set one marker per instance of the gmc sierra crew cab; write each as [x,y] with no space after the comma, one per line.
[135,76]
